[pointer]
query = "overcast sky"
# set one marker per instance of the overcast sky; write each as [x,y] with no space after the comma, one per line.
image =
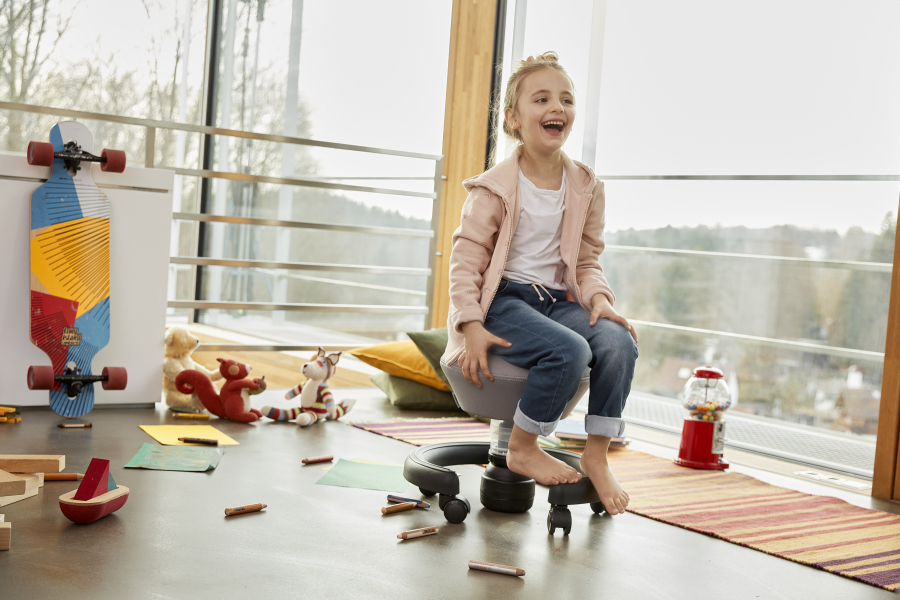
[688,87]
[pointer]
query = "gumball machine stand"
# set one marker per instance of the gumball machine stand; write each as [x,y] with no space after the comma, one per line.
[706,396]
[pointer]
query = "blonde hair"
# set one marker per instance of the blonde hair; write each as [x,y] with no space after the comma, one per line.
[547,60]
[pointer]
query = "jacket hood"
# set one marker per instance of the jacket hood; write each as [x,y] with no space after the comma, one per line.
[503,178]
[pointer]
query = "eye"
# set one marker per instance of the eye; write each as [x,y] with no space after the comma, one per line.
[541,100]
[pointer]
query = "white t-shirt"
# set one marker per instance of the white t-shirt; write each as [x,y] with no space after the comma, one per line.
[534,255]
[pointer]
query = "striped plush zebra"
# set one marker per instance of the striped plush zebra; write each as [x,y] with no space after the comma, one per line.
[316,400]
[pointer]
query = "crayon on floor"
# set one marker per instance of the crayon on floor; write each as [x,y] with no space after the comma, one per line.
[63,476]
[73,425]
[317,459]
[193,440]
[191,416]
[492,568]
[414,533]
[184,409]
[239,510]
[419,503]
[397,507]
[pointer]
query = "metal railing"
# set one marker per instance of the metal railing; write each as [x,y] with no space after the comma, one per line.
[332,182]
[812,348]
[323,182]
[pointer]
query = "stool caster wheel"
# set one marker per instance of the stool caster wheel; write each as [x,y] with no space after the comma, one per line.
[456,508]
[598,508]
[559,516]
[427,493]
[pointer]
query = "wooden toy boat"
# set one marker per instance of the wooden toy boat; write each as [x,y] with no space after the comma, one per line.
[96,496]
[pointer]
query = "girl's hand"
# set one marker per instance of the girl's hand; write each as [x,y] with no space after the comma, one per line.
[478,340]
[602,309]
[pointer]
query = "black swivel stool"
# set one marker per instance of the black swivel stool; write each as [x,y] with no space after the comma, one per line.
[501,489]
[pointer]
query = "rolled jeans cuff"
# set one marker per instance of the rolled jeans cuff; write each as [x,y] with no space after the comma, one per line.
[610,427]
[529,425]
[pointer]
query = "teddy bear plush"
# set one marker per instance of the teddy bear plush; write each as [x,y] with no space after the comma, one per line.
[233,402]
[180,343]
[316,400]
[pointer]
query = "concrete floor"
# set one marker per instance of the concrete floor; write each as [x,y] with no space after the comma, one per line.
[171,540]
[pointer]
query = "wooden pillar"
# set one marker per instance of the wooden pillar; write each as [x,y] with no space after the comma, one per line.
[465,127]
[886,480]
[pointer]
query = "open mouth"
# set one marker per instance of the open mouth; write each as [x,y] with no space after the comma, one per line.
[553,126]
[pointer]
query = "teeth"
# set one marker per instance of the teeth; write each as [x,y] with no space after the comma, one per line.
[560,123]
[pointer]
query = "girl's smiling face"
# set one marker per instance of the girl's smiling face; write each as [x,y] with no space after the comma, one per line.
[545,111]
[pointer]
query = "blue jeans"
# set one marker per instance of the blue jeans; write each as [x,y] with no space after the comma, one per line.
[554,341]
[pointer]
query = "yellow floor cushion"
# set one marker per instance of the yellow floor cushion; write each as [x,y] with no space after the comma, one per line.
[401,359]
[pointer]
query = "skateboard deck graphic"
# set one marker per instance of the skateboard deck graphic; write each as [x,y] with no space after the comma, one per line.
[70,270]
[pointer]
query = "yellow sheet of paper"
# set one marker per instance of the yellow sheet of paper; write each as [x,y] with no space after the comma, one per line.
[168,434]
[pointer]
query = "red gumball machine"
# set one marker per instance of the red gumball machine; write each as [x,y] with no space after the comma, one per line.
[707,398]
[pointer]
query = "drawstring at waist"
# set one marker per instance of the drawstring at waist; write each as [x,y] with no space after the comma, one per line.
[541,298]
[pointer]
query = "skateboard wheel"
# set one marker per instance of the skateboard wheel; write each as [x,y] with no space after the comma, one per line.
[40,154]
[116,378]
[115,161]
[41,378]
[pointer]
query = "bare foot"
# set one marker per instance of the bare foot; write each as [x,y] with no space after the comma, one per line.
[526,458]
[594,464]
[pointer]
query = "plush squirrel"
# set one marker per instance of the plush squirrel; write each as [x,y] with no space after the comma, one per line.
[316,401]
[180,343]
[233,402]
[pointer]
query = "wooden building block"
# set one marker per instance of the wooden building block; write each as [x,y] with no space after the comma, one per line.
[32,485]
[40,477]
[11,485]
[5,535]
[32,463]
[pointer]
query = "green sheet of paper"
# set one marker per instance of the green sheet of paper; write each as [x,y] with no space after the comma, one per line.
[365,476]
[176,458]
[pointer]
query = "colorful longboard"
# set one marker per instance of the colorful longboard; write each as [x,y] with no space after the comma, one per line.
[70,269]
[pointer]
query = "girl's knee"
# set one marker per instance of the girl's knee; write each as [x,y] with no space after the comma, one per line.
[574,351]
[613,342]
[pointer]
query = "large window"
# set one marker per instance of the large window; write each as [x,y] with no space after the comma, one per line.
[782,283]
[354,224]
[349,72]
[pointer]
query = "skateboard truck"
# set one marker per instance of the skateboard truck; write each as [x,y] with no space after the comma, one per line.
[42,154]
[73,381]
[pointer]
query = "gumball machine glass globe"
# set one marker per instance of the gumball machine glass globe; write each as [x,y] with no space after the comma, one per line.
[706,395]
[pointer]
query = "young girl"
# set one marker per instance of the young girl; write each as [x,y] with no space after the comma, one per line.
[525,278]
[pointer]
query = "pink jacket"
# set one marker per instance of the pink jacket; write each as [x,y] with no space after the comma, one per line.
[480,244]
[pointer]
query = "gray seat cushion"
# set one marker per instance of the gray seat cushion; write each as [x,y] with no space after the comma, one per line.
[498,399]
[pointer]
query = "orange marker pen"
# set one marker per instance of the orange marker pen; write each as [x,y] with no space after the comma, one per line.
[239,510]
[397,507]
[63,476]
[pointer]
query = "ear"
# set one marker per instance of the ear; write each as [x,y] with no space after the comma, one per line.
[221,360]
[508,116]
[333,358]
[234,369]
[321,352]
[170,335]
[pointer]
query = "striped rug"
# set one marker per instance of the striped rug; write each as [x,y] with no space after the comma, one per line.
[421,432]
[820,531]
